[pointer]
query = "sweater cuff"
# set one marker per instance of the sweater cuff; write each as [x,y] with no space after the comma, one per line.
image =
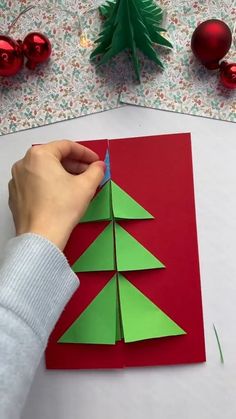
[36,282]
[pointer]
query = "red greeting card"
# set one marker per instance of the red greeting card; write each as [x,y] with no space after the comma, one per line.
[139,300]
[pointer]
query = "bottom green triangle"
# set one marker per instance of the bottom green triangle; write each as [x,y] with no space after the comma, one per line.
[141,318]
[97,324]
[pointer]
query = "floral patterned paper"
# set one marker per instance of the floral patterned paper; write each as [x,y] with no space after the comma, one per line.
[68,85]
[186,86]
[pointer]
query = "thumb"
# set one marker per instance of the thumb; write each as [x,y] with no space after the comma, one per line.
[93,175]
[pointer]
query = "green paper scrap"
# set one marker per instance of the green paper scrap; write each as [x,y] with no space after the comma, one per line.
[100,207]
[141,318]
[131,255]
[125,207]
[132,25]
[219,345]
[99,256]
[97,323]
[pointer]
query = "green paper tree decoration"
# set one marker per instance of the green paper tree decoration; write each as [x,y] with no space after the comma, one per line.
[97,323]
[100,254]
[120,310]
[132,25]
[100,207]
[141,319]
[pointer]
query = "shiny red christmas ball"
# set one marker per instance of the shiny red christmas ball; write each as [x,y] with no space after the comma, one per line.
[37,48]
[211,41]
[228,74]
[11,56]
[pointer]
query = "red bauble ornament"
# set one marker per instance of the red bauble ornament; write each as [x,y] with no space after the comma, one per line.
[228,74]
[37,48]
[11,56]
[210,42]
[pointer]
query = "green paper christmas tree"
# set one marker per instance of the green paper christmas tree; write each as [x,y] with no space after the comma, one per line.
[120,310]
[131,25]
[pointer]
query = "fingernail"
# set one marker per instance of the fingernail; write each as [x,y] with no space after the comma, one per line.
[103,164]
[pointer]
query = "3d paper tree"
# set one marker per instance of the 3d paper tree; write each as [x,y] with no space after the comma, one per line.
[132,25]
[120,310]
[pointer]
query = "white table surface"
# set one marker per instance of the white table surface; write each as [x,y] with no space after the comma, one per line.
[204,391]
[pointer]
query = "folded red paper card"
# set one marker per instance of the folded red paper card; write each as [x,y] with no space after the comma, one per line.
[136,256]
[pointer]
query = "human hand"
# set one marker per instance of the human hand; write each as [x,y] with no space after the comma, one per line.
[51,188]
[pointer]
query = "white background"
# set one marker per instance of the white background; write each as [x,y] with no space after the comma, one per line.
[204,391]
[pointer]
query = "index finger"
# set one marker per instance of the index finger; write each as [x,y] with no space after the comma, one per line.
[66,149]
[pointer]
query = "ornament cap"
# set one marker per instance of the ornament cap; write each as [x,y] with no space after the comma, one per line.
[31,65]
[20,44]
[223,64]
[211,65]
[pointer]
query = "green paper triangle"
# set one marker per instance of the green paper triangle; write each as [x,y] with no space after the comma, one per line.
[97,323]
[125,207]
[141,318]
[99,256]
[131,255]
[100,207]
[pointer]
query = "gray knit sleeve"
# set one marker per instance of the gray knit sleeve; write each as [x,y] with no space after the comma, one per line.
[36,282]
